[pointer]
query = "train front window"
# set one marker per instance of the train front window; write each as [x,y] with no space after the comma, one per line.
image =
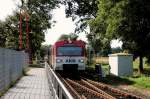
[68,51]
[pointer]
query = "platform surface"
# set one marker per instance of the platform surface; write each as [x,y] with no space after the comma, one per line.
[32,86]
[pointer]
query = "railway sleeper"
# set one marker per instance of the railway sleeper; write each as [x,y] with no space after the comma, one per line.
[74,91]
[98,90]
[94,93]
[114,90]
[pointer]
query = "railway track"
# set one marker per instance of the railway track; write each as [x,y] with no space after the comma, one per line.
[83,88]
[118,94]
[86,91]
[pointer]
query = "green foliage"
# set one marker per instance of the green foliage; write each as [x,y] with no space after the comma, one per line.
[80,7]
[63,37]
[44,50]
[71,36]
[127,20]
[116,50]
[40,16]
[82,10]
[107,20]
[141,82]
[3,35]
[12,31]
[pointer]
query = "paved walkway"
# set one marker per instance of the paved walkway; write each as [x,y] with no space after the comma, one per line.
[33,86]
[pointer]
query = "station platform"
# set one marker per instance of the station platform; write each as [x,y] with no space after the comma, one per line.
[32,86]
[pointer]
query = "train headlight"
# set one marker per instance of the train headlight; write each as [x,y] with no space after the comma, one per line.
[58,60]
[81,61]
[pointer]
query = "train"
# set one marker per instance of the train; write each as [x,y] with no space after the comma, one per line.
[68,55]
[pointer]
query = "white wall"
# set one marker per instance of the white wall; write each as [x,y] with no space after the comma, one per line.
[113,62]
[121,64]
[125,64]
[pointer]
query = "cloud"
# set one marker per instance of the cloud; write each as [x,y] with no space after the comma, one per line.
[7,7]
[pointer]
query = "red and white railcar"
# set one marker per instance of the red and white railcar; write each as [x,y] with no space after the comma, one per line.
[68,55]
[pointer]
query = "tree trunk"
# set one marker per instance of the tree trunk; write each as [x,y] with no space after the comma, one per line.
[30,49]
[30,57]
[141,64]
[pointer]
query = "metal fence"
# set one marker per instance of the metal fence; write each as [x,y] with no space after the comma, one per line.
[12,64]
[58,90]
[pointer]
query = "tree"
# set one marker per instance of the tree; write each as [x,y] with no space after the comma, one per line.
[44,50]
[127,20]
[98,44]
[63,37]
[12,30]
[82,10]
[40,16]
[98,26]
[133,26]
[3,35]
[116,50]
[71,36]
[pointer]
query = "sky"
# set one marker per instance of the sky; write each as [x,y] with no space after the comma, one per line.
[7,7]
[63,26]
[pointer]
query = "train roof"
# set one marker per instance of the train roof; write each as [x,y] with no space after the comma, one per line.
[77,42]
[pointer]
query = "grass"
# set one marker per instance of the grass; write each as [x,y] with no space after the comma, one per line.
[25,70]
[141,81]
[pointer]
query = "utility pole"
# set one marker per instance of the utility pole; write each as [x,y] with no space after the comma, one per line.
[20,27]
[24,14]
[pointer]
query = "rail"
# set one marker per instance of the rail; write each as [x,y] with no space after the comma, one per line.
[58,90]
